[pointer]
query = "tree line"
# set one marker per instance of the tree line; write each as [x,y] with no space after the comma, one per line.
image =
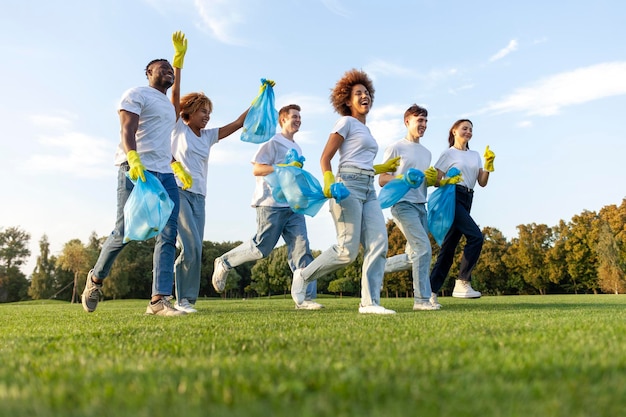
[585,255]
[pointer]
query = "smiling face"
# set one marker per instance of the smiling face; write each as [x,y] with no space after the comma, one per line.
[199,118]
[360,101]
[462,134]
[416,126]
[160,75]
[290,123]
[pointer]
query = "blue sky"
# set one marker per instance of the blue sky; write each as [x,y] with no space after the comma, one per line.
[543,82]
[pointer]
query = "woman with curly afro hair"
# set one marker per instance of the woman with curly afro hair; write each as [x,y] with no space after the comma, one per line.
[358,218]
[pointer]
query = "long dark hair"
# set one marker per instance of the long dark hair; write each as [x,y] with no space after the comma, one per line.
[454,126]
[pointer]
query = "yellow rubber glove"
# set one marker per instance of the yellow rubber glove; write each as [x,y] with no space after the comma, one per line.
[489,157]
[182,175]
[451,180]
[389,166]
[136,167]
[180,49]
[431,175]
[329,179]
[296,164]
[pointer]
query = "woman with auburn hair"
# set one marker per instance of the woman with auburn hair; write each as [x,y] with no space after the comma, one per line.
[358,218]
[469,163]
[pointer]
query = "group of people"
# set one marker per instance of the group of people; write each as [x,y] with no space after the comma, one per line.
[169,138]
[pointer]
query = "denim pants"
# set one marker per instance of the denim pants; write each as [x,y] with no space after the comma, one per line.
[191,219]
[412,221]
[165,247]
[272,223]
[463,224]
[358,221]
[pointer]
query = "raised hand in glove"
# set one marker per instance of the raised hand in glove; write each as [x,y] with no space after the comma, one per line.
[329,179]
[431,175]
[180,49]
[182,175]
[389,166]
[136,167]
[489,157]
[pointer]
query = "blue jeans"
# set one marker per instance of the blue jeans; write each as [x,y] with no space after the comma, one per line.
[272,223]
[463,225]
[359,221]
[165,247]
[412,221]
[191,219]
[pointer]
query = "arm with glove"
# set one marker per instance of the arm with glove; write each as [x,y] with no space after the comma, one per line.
[180,49]
[483,175]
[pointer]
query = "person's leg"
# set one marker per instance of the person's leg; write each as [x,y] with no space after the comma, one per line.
[165,247]
[270,223]
[298,251]
[114,243]
[444,260]
[347,218]
[190,235]
[412,221]
[375,245]
[473,236]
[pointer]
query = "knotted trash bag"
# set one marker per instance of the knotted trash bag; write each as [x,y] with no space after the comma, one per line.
[395,189]
[260,122]
[147,209]
[441,207]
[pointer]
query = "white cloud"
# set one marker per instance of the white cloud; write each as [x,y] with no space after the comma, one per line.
[222,18]
[311,105]
[525,123]
[386,124]
[548,96]
[335,7]
[68,151]
[512,46]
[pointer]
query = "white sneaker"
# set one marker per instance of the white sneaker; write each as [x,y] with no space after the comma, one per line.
[220,274]
[309,305]
[375,309]
[463,289]
[424,305]
[185,305]
[434,301]
[298,287]
[163,308]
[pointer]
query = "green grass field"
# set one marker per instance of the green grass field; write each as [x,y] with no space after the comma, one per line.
[496,356]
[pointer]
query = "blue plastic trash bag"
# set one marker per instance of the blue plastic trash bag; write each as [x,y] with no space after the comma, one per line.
[147,209]
[395,189]
[260,122]
[298,188]
[441,207]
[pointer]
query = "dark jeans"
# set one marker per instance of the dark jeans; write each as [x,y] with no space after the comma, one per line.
[463,225]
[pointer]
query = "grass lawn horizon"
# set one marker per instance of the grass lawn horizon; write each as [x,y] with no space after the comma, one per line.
[552,355]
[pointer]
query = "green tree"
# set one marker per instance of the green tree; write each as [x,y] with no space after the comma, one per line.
[13,253]
[528,254]
[490,274]
[580,248]
[611,277]
[75,258]
[42,283]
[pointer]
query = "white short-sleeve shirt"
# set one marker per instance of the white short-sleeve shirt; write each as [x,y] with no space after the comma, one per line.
[412,155]
[359,148]
[193,153]
[271,152]
[157,118]
[468,162]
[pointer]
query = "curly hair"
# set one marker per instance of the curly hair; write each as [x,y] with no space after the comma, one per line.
[343,89]
[454,126]
[192,102]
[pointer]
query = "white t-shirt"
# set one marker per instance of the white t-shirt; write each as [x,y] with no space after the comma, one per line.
[412,155]
[359,148]
[156,122]
[468,162]
[271,152]
[193,153]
